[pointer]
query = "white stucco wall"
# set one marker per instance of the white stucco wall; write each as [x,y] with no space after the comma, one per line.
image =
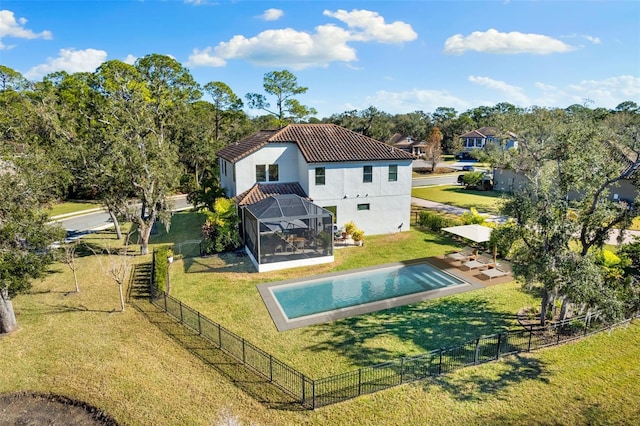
[389,202]
[286,156]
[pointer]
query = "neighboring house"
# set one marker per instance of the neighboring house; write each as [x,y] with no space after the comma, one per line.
[624,190]
[409,144]
[354,177]
[477,139]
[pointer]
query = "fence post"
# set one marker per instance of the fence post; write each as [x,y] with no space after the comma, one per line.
[313,394]
[180,302]
[270,368]
[558,329]
[219,337]
[165,302]
[530,336]
[498,348]
[359,381]
[304,379]
[401,369]
[475,354]
[199,324]
[440,363]
[244,361]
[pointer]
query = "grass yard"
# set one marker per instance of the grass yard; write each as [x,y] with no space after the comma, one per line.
[69,207]
[135,367]
[455,195]
[224,289]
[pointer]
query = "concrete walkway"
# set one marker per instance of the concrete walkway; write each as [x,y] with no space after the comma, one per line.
[629,235]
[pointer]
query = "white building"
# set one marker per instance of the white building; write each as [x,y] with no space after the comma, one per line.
[355,177]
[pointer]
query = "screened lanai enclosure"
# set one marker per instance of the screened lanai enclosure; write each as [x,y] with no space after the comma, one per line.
[287,231]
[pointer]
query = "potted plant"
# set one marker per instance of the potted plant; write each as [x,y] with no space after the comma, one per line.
[349,227]
[357,235]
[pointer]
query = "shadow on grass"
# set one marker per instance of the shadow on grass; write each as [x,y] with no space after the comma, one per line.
[251,383]
[221,263]
[475,387]
[430,325]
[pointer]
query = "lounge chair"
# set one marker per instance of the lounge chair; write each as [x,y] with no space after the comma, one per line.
[481,262]
[497,272]
[463,255]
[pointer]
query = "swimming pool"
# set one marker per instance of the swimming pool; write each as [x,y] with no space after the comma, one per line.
[339,295]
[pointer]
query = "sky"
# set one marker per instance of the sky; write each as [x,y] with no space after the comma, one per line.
[398,56]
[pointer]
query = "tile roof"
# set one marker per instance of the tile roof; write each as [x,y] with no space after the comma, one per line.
[262,191]
[482,132]
[318,143]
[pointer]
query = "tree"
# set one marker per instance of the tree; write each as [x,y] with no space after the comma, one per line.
[25,237]
[434,147]
[68,257]
[139,114]
[225,103]
[554,159]
[115,265]
[284,86]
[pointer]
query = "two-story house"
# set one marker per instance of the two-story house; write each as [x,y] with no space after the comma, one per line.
[477,139]
[354,177]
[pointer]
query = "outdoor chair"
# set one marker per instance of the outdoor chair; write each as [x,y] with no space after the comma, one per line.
[497,272]
[464,255]
[481,262]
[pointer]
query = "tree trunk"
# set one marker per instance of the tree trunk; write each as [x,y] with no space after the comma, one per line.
[116,224]
[121,297]
[543,306]
[8,321]
[144,231]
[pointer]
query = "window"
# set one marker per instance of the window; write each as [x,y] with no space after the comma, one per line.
[367,174]
[364,206]
[273,172]
[261,173]
[320,174]
[393,172]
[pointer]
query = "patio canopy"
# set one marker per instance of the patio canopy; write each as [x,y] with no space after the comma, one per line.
[477,233]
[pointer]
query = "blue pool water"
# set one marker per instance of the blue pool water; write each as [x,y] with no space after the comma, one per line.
[352,289]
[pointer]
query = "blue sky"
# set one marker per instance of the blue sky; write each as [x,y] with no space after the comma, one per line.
[399,56]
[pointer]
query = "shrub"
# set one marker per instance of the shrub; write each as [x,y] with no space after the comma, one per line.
[160,269]
[435,221]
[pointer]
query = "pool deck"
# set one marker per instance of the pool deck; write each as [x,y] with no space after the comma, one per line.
[472,281]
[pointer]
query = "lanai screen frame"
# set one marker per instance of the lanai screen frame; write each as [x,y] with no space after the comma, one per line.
[287,230]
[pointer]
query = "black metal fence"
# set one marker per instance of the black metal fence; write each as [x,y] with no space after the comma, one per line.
[314,393]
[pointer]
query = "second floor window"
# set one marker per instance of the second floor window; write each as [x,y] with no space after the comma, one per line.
[367,174]
[261,173]
[393,172]
[320,174]
[273,172]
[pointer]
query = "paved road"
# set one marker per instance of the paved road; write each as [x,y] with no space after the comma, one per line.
[98,219]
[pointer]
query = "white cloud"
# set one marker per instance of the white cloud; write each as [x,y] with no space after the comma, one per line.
[130,59]
[608,92]
[272,14]
[10,27]
[415,100]
[196,2]
[592,39]
[370,26]
[285,47]
[509,93]
[71,61]
[493,41]
[299,49]
[6,46]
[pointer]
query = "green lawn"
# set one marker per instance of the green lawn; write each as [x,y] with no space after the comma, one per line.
[142,369]
[224,289]
[71,207]
[455,195]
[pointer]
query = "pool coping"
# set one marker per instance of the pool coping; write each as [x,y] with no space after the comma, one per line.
[283,323]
